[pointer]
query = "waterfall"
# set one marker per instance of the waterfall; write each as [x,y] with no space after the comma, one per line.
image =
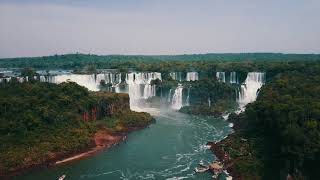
[177,98]
[149,91]
[133,82]
[20,79]
[188,98]
[233,78]
[43,79]
[249,89]
[8,79]
[209,102]
[192,76]
[85,80]
[90,81]
[177,76]
[109,77]
[118,82]
[169,96]
[221,76]
[136,81]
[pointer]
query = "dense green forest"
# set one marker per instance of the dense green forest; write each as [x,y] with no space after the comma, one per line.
[41,121]
[283,129]
[159,63]
[39,118]
[210,97]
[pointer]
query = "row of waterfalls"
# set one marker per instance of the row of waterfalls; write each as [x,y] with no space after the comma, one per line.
[189,76]
[233,78]
[193,76]
[140,88]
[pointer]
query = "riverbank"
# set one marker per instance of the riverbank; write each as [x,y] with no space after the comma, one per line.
[102,140]
[218,149]
[240,153]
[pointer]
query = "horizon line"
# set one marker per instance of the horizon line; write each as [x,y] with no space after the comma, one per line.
[150,55]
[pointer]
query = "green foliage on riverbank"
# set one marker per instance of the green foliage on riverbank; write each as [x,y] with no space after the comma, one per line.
[209,89]
[126,121]
[244,154]
[210,97]
[217,109]
[286,116]
[38,120]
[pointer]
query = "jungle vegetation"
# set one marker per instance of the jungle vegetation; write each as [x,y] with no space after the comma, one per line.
[283,128]
[162,63]
[39,122]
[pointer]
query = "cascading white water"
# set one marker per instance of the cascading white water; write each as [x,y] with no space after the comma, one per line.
[177,98]
[8,79]
[149,91]
[249,89]
[221,76]
[192,76]
[137,81]
[177,76]
[118,82]
[89,81]
[169,96]
[188,98]
[233,78]
[112,78]
[43,79]
[133,81]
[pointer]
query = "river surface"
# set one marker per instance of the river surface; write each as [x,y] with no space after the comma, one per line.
[169,149]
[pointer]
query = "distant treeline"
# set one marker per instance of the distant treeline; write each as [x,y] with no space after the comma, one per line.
[241,57]
[79,61]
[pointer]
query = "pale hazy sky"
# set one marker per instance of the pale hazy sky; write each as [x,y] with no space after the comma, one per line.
[43,27]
